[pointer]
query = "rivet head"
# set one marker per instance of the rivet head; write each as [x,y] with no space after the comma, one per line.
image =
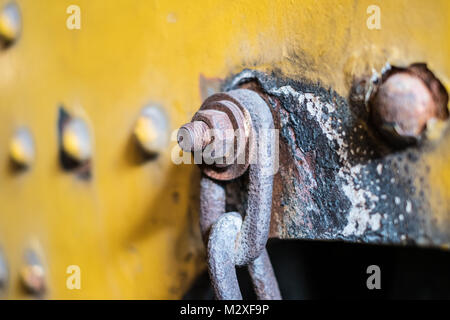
[32,274]
[10,24]
[76,140]
[404,102]
[407,104]
[4,272]
[21,148]
[151,130]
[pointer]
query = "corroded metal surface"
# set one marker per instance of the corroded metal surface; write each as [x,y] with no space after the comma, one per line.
[255,228]
[212,204]
[338,178]
[221,262]
[223,112]
[221,251]
[222,244]
[263,278]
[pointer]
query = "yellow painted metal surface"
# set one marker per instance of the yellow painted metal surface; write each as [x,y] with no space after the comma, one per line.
[132,228]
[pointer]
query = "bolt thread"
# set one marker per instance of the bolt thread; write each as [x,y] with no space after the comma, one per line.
[194,136]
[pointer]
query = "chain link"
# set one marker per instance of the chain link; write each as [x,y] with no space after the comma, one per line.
[231,240]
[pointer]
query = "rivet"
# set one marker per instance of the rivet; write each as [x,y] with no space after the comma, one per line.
[4,272]
[151,130]
[10,24]
[76,140]
[32,274]
[405,102]
[408,101]
[21,148]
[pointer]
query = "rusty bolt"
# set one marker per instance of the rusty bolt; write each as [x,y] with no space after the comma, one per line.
[221,130]
[402,107]
[208,127]
[194,136]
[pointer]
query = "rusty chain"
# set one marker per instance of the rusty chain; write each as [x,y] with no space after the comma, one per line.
[232,240]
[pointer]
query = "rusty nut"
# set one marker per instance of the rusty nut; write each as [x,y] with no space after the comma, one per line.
[221,130]
[210,131]
[221,133]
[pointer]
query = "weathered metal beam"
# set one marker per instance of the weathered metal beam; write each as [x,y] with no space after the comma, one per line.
[338,178]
